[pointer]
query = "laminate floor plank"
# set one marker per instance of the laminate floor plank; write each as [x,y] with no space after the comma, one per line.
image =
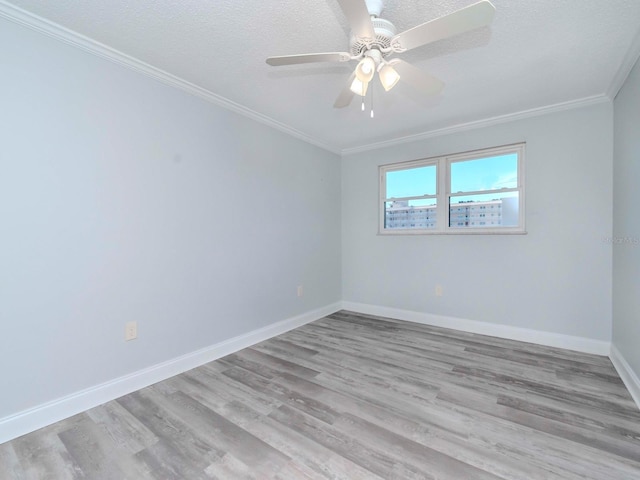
[356,397]
[228,437]
[314,459]
[617,404]
[9,463]
[474,401]
[180,449]
[272,365]
[542,455]
[298,351]
[232,390]
[376,460]
[124,430]
[441,466]
[93,451]
[167,462]
[45,457]
[344,403]
[307,404]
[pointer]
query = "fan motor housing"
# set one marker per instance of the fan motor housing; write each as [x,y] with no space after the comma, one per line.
[385,31]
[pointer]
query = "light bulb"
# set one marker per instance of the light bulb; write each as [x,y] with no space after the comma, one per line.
[388,77]
[365,69]
[367,65]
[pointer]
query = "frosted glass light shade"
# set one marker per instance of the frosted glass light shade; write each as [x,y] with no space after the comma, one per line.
[388,77]
[358,87]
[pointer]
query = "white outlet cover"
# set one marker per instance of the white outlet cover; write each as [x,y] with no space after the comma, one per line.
[131,330]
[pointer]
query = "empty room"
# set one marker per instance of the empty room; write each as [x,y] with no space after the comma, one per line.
[332,239]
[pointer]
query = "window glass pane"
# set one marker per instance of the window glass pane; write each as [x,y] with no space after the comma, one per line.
[492,173]
[410,214]
[484,211]
[412,182]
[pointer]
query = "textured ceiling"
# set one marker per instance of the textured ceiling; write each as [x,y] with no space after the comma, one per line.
[536,54]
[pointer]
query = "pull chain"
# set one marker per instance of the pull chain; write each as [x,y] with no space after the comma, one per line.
[372,101]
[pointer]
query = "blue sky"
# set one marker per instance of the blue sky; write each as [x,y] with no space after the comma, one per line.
[475,175]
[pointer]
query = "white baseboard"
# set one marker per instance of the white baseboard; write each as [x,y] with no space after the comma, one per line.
[550,339]
[628,376]
[45,414]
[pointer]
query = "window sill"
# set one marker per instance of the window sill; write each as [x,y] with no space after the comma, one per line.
[476,231]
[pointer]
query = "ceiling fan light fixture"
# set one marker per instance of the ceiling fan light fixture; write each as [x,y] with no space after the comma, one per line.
[374,38]
[388,76]
[358,87]
[365,69]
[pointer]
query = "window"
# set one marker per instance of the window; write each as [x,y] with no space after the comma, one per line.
[411,196]
[454,193]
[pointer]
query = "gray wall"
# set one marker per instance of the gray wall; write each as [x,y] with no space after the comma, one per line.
[557,278]
[124,199]
[626,224]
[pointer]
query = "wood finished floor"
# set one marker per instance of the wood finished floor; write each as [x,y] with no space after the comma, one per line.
[356,397]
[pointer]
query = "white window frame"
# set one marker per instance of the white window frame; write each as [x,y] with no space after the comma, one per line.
[443,193]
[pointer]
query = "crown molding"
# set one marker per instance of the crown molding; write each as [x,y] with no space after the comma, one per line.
[51,29]
[534,112]
[628,62]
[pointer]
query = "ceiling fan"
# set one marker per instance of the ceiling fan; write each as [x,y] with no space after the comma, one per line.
[374,39]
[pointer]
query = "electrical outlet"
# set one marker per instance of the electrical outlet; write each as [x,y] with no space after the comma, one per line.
[438,290]
[300,290]
[131,331]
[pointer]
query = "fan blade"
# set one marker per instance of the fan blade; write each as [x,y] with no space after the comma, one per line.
[346,95]
[358,17]
[421,81]
[474,16]
[309,58]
